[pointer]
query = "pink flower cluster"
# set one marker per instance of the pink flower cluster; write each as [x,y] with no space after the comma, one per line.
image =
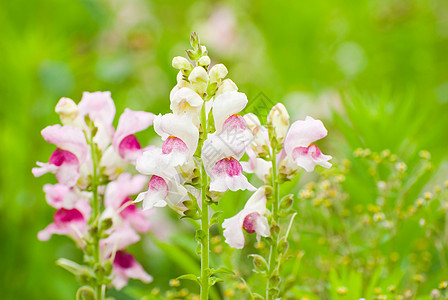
[174,167]
[293,149]
[88,147]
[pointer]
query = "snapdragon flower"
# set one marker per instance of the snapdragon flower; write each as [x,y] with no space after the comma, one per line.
[124,267]
[298,144]
[88,163]
[67,159]
[251,218]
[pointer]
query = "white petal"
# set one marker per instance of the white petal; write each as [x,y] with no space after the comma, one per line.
[303,133]
[226,105]
[181,127]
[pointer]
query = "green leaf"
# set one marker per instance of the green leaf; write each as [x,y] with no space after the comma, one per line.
[222,270]
[213,280]
[190,277]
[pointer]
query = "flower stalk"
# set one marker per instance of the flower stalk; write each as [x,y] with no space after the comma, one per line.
[205,227]
[273,253]
[99,289]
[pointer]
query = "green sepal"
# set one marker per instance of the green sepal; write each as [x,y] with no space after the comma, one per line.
[200,236]
[215,217]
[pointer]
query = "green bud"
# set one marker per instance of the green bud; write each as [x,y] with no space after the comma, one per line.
[260,263]
[275,229]
[106,223]
[287,202]
[274,280]
[192,55]
[283,246]
[268,190]
[194,40]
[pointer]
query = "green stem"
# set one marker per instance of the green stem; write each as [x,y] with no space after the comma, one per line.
[205,248]
[275,206]
[96,217]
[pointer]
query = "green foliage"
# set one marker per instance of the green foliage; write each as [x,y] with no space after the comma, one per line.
[295,51]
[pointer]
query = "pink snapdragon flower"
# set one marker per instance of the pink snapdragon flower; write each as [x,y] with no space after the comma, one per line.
[71,222]
[120,237]
[61,196]
[180,138]
[226,105]
[251,218]
[298,144]
[124,267]
[124,141]
[221,161]
[165,184]
[119,205]
[67,159]
[223,149]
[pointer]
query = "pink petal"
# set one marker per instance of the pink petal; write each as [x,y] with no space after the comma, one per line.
[309,157]
[124,186]
[303,133]
[178,126]
[60,196]
[125,267]
[120,238]
[131,122]
[227,174]
[129,147]
[176,151]
[67,138]
[99,106]
[226,105]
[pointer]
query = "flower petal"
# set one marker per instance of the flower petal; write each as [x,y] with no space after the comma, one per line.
[177,126]
[67,138]
[226,105]
[125,185]
[131,122]
[303,133]
[308,158]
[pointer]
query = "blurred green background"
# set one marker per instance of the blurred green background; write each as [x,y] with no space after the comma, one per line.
[375,72]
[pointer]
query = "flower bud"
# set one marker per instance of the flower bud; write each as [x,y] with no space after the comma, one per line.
[226,86]
[260,263]
[218,72]
[68,112]
[204,61]
[181,63]
[278,118]
[199,79]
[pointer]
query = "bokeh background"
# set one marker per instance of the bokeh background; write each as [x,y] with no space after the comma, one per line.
[375,72]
